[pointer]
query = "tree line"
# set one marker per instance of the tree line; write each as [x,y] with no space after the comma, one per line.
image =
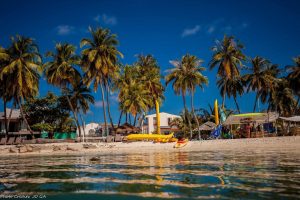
[139,85]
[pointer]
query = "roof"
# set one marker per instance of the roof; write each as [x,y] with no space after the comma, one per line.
[291,119]
[207,126]
[252,118]
[14,115]
[162,113]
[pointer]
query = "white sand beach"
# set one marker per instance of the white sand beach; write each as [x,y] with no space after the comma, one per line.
[279,143]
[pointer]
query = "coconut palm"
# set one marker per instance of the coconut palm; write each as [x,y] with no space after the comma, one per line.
[23,71]
[231,87]
[281,98]
[260,79]
[61,71]
[149,74]
[134,96]
[186,76]
[81,98]
[294,77]
[99,60]
[4,85]
[191,77]
[228,56]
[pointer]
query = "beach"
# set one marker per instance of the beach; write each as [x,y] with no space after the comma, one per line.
[263,144]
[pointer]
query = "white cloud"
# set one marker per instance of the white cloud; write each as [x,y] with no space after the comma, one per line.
[64,29]
[211,29]
[98,104]
[227,29]
[190,31]
[108,20]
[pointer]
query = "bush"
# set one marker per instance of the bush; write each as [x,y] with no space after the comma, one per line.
[42,127]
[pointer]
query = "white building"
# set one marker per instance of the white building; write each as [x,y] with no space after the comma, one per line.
[165,119]
[90,129]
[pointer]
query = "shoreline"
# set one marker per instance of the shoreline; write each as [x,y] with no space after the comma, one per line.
[289,143]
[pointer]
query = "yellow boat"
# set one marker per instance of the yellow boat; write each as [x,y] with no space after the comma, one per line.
[181,143]
[155,137]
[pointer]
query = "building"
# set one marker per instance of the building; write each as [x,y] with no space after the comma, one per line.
[16,123]
[90,129]
[165,120]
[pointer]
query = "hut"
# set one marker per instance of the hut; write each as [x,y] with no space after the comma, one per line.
[252,124]
[127,128]
[291,125]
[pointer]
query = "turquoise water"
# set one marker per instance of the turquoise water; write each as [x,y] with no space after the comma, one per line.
[184,175]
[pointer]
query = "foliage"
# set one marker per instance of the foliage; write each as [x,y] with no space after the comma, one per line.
[42,127]
[50,110]
[228,56]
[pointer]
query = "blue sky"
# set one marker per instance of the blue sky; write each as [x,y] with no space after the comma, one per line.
[165,29]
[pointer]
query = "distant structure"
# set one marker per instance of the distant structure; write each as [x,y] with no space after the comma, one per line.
[165,123]
[90,129]
[16,123]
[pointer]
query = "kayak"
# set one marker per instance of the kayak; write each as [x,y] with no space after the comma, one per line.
[181,143]
[155,137]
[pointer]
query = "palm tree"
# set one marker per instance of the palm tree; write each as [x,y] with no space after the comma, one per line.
[281,98]
[294,77]
[23,71]
[228,56]
[99,60]
[186,76]
[232,87]
[261,78]
[190,70]
[134,96]
[61,71]
[4,82]
[149,73]
[81,98]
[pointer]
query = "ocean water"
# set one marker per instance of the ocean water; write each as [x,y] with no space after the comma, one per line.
[256,174]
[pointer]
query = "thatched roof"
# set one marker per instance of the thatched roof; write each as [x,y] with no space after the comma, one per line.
[259,118]
[207,126]
[127,128]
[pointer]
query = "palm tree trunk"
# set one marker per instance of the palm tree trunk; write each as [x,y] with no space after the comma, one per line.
[188,118]
[194,114]
[9,117]
[134,120]
[126,117]
[83,125]
[24,118]
[223,99]
[129,116]
[256,98]
[120,118]
[237,105]
[104,110]
[75,116]
[157,117]
[5,117]
[108,107]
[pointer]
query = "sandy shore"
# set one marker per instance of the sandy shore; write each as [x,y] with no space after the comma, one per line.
[275,143]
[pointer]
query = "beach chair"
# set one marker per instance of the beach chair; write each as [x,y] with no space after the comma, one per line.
[109,138]
[10,141]
[3,141]
[118,138]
